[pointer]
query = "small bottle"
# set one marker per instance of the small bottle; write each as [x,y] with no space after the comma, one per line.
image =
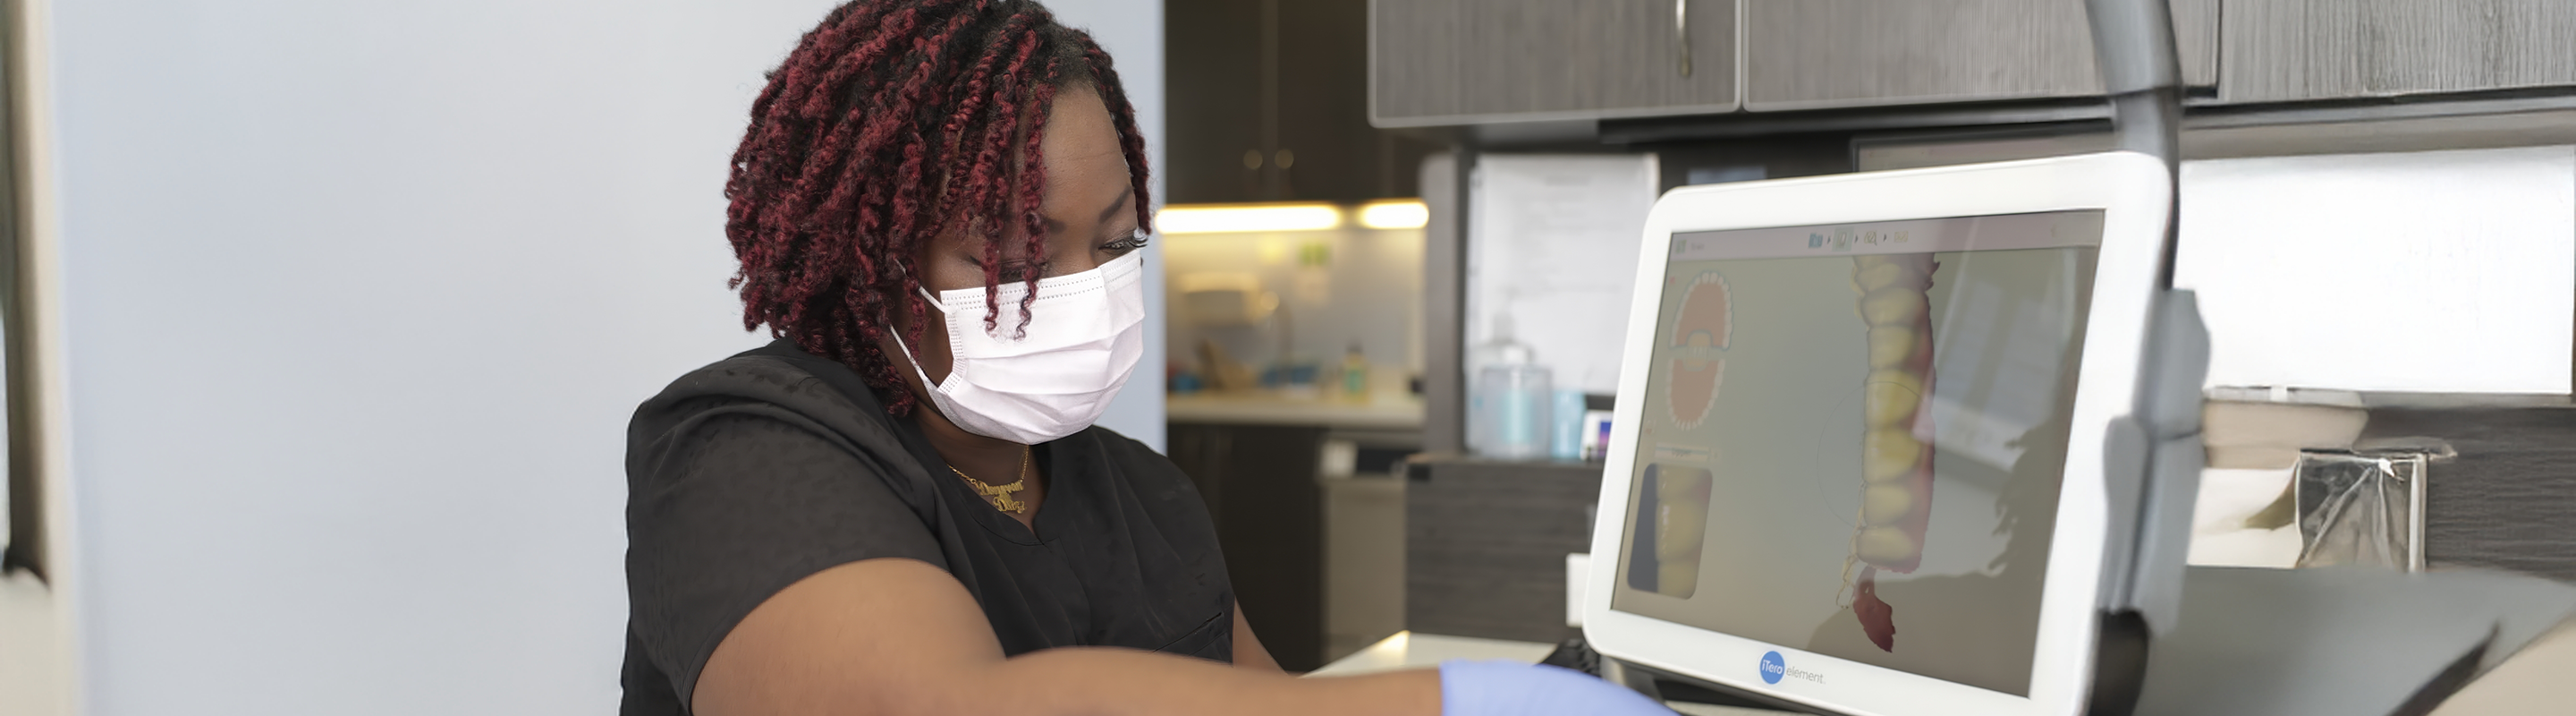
[1565,425]
[1355,370]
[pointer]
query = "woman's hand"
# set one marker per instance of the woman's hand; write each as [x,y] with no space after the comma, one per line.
[1510,688]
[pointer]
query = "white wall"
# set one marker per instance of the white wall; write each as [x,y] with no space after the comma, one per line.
[2428,272]
[2408,256]
[359,296]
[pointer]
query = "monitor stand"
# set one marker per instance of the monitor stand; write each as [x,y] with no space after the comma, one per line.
[2296,642]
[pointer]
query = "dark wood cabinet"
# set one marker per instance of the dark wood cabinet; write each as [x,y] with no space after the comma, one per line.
[1468,62]
[2287,50]
[1323,110]
[1448,62]
[1488,62]
[1269,102]
[1214,99]
[1485,545]
[1805,54]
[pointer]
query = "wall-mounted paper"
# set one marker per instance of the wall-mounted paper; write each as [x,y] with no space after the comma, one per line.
[1553,245]
[2446,272]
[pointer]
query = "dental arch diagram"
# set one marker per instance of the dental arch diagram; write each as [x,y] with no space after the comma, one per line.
[1896,452]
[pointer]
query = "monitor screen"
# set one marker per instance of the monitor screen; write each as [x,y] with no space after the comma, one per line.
[1853,437]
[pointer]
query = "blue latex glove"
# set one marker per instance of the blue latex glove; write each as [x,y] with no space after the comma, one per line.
[1510,688]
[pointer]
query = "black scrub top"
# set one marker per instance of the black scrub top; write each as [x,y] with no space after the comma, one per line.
[755,472]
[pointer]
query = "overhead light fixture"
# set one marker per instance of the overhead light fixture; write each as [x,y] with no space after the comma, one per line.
[1395,215]
[1247,218]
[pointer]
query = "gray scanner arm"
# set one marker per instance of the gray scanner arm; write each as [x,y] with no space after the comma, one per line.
[2153,456]
[2133,43]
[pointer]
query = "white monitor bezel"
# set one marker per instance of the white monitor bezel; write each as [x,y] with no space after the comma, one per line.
[2135,196]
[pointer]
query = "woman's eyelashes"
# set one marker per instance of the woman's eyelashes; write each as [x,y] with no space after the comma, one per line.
[1012,269]
[1136,239]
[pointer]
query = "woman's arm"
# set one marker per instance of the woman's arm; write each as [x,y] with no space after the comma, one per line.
[897,637]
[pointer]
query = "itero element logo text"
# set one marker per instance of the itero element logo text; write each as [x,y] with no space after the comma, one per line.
[1774,669]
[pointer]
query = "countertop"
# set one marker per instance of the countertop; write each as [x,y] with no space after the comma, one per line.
[1380,412]
[1408,650]
[2533,681]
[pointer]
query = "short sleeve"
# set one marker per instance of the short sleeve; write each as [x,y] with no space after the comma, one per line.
[746,506]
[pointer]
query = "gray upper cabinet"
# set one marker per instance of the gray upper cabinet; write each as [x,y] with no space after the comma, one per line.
[1807,54]
[1443,62]
[2285,50]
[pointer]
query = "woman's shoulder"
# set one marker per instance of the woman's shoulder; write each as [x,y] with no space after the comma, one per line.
[768,374]
[771,408]
[771,385]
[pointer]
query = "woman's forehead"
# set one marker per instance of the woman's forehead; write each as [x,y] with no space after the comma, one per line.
[1086,162]
[1088,179]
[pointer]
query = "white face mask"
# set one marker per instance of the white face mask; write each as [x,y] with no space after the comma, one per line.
[1085,333]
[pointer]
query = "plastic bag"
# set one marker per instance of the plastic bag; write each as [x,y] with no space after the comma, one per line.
[2361,508]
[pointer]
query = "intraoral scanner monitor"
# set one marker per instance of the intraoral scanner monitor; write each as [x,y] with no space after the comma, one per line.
[1860,442]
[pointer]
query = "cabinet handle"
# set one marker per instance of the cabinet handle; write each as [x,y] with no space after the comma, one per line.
[1681,32]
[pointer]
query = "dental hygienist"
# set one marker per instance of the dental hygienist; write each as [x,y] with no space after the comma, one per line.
[901,505]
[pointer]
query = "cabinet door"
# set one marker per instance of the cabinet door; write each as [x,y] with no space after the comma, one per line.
[1212,69]
[1327,151]
[2279,50]
[1437,62]
[1269,102]
[1806,54]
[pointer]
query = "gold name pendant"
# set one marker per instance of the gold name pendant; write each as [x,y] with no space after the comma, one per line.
[1000,495]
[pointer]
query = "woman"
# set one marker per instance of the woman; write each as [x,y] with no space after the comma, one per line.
[901,506]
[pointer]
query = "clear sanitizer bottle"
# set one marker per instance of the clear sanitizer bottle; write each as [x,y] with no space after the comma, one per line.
[1508,404]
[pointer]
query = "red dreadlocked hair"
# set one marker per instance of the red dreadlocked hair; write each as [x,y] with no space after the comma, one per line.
[891,123]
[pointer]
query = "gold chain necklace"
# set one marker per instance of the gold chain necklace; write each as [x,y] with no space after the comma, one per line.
[1000,495]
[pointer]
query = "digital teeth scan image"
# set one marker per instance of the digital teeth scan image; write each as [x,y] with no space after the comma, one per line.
[1933,360]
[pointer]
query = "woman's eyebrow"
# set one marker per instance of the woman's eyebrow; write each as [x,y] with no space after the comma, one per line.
[1124,194]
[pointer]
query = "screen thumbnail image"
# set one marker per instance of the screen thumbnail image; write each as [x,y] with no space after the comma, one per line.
[1800,414]
[1666,557]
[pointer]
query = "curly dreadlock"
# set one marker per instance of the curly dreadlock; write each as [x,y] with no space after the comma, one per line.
[891,123]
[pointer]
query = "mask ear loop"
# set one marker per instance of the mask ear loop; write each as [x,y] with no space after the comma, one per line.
[923,289]
[908,356]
